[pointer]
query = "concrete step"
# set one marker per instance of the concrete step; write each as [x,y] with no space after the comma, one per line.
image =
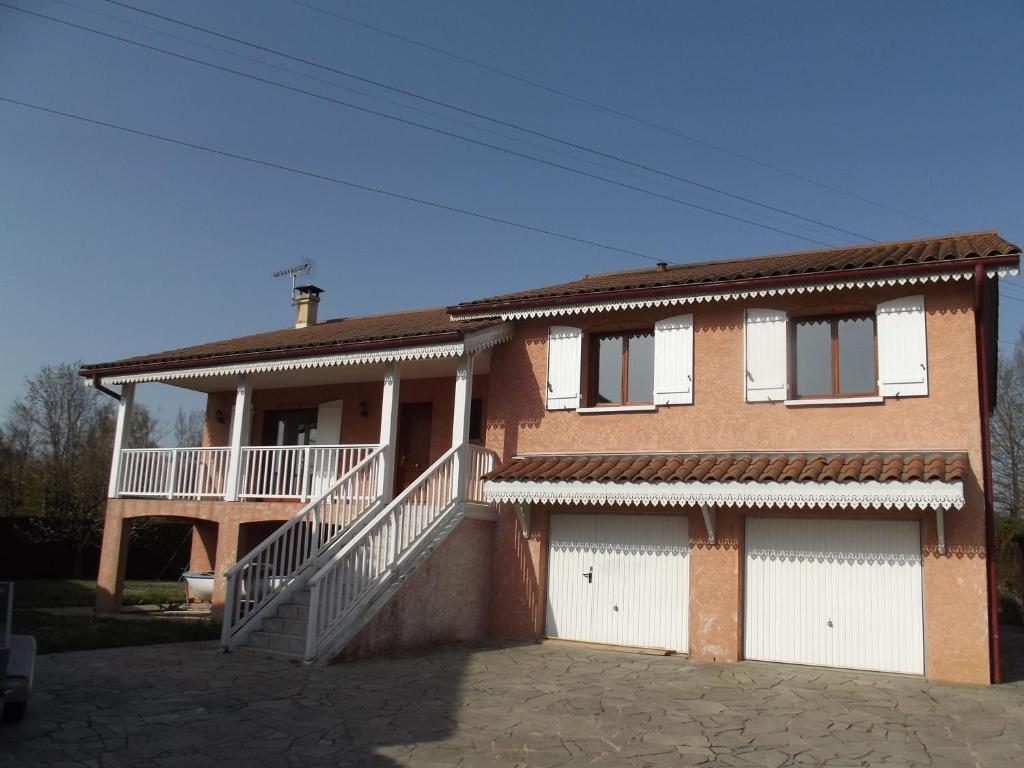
[283,625]
[298,597]
[294,612]
[273,641]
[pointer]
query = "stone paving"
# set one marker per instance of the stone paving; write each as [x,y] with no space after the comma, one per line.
[528,705]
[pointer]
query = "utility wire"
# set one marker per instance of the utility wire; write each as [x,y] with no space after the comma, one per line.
[413,123]
[617,112]
[435,115]
[325,177]
[488,118]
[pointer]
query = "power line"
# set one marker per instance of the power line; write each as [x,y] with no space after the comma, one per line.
[325,177]
[617,112]
[414,124]
[435,115]
[495,120]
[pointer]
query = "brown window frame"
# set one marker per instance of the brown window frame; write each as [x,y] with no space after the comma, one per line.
[593,359]
[833,321]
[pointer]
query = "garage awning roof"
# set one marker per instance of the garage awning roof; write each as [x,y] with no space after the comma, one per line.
[926,480]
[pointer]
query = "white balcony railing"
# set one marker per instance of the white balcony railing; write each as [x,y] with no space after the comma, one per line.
[296,471]
[173,473]
[300,472]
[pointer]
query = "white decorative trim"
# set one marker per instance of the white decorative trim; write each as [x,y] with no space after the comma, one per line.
[585,307]
[836,401]
[1003,272]
[871,493]
[476,341]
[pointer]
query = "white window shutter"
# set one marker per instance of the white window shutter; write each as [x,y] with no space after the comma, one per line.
[328,423]
[902,347]
[673,360]
[565,351]
[766,366]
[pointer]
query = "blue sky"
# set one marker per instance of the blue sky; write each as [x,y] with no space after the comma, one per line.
[115,245]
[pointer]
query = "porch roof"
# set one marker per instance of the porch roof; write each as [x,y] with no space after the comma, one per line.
[350,334]
[813,479]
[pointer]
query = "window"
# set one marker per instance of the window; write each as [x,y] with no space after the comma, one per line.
[834,357]
[622,368]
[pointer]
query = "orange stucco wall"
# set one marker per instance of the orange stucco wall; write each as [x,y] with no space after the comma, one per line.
[444,600]
[720,420]
[223,532]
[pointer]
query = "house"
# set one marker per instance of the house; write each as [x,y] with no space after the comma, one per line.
[781,458]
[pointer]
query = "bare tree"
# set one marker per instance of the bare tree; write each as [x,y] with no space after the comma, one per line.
[1008,433]
[61,434]
[188,428]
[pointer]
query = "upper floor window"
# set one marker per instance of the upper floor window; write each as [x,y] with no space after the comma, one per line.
[622,368]
[834,357]
[646,367]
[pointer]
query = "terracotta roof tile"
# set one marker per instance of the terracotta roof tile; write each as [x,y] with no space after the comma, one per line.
[725,467]
[956,468]
[410,327]
[947,250]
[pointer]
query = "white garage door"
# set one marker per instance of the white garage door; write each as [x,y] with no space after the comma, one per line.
[836,593]
[619,579]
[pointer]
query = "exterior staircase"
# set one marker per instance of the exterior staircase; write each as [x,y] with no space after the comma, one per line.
[283,632]
[308,609]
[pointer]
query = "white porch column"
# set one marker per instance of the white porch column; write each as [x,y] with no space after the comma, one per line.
[241,426]
[460,423]
[125,408]
[389,431]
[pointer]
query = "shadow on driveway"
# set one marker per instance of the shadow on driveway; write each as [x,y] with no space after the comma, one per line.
[530,705]
[1011,641]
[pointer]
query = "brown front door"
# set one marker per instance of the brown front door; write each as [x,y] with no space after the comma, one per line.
[292,427]
[413,443]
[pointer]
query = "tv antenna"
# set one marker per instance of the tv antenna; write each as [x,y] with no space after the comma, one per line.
[293,272]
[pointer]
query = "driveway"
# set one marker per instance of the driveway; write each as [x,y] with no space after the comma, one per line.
[536,705]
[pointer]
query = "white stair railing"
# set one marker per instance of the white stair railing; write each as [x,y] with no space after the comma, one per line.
[363,564]
[481,461]
[261,577]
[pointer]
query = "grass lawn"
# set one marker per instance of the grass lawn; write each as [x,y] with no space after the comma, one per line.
[69,593]
[55,634]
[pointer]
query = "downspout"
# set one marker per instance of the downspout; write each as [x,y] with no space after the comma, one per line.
[981,344]
[97,383]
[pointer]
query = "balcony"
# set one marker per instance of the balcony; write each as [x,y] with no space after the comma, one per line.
[293,473]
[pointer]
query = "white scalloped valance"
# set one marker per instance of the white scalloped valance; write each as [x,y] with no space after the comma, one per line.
[474,342]
[832,495]
[588,307]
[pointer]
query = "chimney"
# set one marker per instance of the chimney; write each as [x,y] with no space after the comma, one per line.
[662,266]
[306,300]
